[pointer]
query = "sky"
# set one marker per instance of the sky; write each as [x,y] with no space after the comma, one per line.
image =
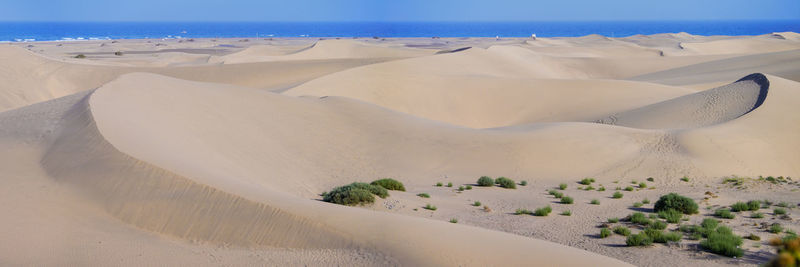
[395,10]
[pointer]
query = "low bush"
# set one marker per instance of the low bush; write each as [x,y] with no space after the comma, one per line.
[595,202]
[522,211]
[485,181]
[80,56]
[354,194]
[605,232]
[449,184]
[613,220]
[629,188]
[739,206]
[506,183]
[556,194]
[453,220]
[672,216]
[642,185]
[544,211]
[439,184]
[668,237]
[622,230]
[685,179]
[650,179]
[637,204]
[776,228]
[460,188]
[783,204]
[676,202]
[757,215]
[660,225]
[562,186]
[566,213]
[523,183]
[389,184]
[429,207]
[118,53]
[469,187]
[639,218]
[588,188]
[601,189]
[586,181]
[754,205]
[617,195]
[640,239]
[424,195]
[723,242]
[753,237]
[476,204]
[724,213]
[566,200]
[646,201]
[779,211]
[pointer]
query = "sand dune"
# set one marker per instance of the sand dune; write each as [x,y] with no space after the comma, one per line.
[223,164]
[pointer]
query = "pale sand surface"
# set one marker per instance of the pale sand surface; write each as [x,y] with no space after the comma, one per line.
[215,151]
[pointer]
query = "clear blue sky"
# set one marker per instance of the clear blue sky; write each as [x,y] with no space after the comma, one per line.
[394,10]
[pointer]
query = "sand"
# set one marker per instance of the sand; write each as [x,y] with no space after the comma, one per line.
[216,151]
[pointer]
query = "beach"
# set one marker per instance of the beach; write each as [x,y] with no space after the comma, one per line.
[220,151]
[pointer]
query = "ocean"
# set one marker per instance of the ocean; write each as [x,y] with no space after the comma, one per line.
[50,31]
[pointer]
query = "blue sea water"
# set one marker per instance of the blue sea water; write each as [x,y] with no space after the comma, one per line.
[49,31]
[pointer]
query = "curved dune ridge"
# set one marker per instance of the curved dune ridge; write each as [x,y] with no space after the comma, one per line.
[240,212]
[325,49]
[705,108]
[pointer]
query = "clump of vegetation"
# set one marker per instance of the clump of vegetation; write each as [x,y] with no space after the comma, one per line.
[675,202]
[453,220]
[723,242]
[788,253]
[622,230]
[354,194]
[754,205]
[588,188]
[469,187]
[779,211]
[642,185]
[637,204]
[650,179]
[543,211]
[601,189]
[485,181]
[605,232]
[617,195]
[429,207]
[685,179]
[783,204]
[80,56]
[753,237]
[739,206]
[566,213]
[562,186]
[523,183]
[506,183]
[757,215]
[439,184]
[613,220]
[449,184]
[460,188]
[639,218]
[389,184]
[776,228]
[556,193]
[118,53]
[424,195]
[522,211]
[672,216]
[595,202]
[566,200]
[476,204]
[640,239]
[657,224]
[629,188]
[724,213]
[646,201]
[586,181]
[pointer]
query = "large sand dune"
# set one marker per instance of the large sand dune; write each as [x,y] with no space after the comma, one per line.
[223,164]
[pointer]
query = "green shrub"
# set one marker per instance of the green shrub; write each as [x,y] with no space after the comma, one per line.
[595,202]
[506,183]
[783,204]
[589,187]
[639,218]
[776,228]
[637,204]
[557,194]
[423,195]
[709,223]
[650,179]
[675,202]
[613,220]
[601,189]
[461,188]
[429,207]
[485,181]
[668,237]
[354,194]
[754,205]
[779,211]
[757,215]
[723,243]
[449,184]
[642,185]
[566,200]
[739,206]
[724,213]
[476,204]
[660,225]
[390,184]
[605,232]
[439,184]
[646,201]
[617,195]
[629,188]
[469,187]
[566,213]
[453,220]
[586,181]
[523,183]
[640,239]
[685,179]
[544,211]
[562,186]
[118,53]
[522,211]
[622,230]
[753,237]
[672,216]
[80,56]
